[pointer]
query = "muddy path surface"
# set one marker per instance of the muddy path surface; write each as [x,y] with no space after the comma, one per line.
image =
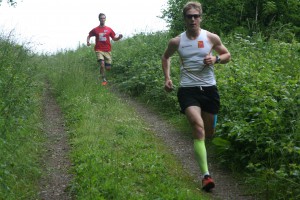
[57,165]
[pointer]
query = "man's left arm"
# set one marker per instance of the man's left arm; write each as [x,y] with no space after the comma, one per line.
[117,38]
[223,53]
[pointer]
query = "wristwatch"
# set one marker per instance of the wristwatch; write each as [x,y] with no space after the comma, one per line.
[218,59]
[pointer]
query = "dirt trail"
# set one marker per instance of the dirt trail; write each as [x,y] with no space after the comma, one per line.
[181,145]
[57,164]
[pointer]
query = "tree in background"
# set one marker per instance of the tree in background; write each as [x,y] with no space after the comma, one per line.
[277,19]
[173,16]
[10,2]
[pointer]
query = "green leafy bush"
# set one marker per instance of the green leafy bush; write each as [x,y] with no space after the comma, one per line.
[137,69]
[260,111]
[20,137]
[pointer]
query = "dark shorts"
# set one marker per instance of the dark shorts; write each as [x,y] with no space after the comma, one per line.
[207,98]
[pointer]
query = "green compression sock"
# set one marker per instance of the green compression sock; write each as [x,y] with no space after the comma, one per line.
[201,155]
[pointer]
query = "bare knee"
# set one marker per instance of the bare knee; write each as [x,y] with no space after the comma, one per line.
[196,121]
[198,130]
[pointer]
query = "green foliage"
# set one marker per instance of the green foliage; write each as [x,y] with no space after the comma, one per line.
[262,129]
[19,122]
[274,19]
[258,130]
[137,69]
[173,16]
[14,73]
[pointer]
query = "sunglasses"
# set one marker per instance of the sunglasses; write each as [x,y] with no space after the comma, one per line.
[191,16]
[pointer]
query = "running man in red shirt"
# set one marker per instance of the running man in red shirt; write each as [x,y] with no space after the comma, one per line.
[102,48]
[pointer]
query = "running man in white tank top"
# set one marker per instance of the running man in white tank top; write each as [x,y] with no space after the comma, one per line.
[198,94]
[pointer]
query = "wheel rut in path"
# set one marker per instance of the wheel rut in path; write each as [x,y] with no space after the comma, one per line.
[54,185]
[227,188]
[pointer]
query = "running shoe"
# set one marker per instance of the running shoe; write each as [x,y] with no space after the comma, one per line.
[207,183]
[104,83]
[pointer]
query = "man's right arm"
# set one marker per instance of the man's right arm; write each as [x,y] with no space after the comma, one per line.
[88,40]
[166,62]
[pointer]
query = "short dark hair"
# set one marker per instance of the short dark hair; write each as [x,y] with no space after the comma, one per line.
[101,14]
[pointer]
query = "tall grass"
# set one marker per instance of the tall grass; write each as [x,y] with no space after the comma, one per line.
[20,139]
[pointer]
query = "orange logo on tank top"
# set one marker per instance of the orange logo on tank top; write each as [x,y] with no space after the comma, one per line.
[200,44]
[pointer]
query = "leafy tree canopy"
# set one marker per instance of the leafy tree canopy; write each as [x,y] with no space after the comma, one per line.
[278,19]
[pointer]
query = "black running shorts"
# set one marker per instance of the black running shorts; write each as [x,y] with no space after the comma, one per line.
[207,98]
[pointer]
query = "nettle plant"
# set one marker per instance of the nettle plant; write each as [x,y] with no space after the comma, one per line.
[259,119]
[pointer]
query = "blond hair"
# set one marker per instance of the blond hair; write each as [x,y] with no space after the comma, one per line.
[192,4]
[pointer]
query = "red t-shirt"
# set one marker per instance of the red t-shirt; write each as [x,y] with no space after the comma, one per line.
[102,39]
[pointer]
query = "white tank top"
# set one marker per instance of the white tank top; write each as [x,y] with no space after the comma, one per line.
[193,72]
